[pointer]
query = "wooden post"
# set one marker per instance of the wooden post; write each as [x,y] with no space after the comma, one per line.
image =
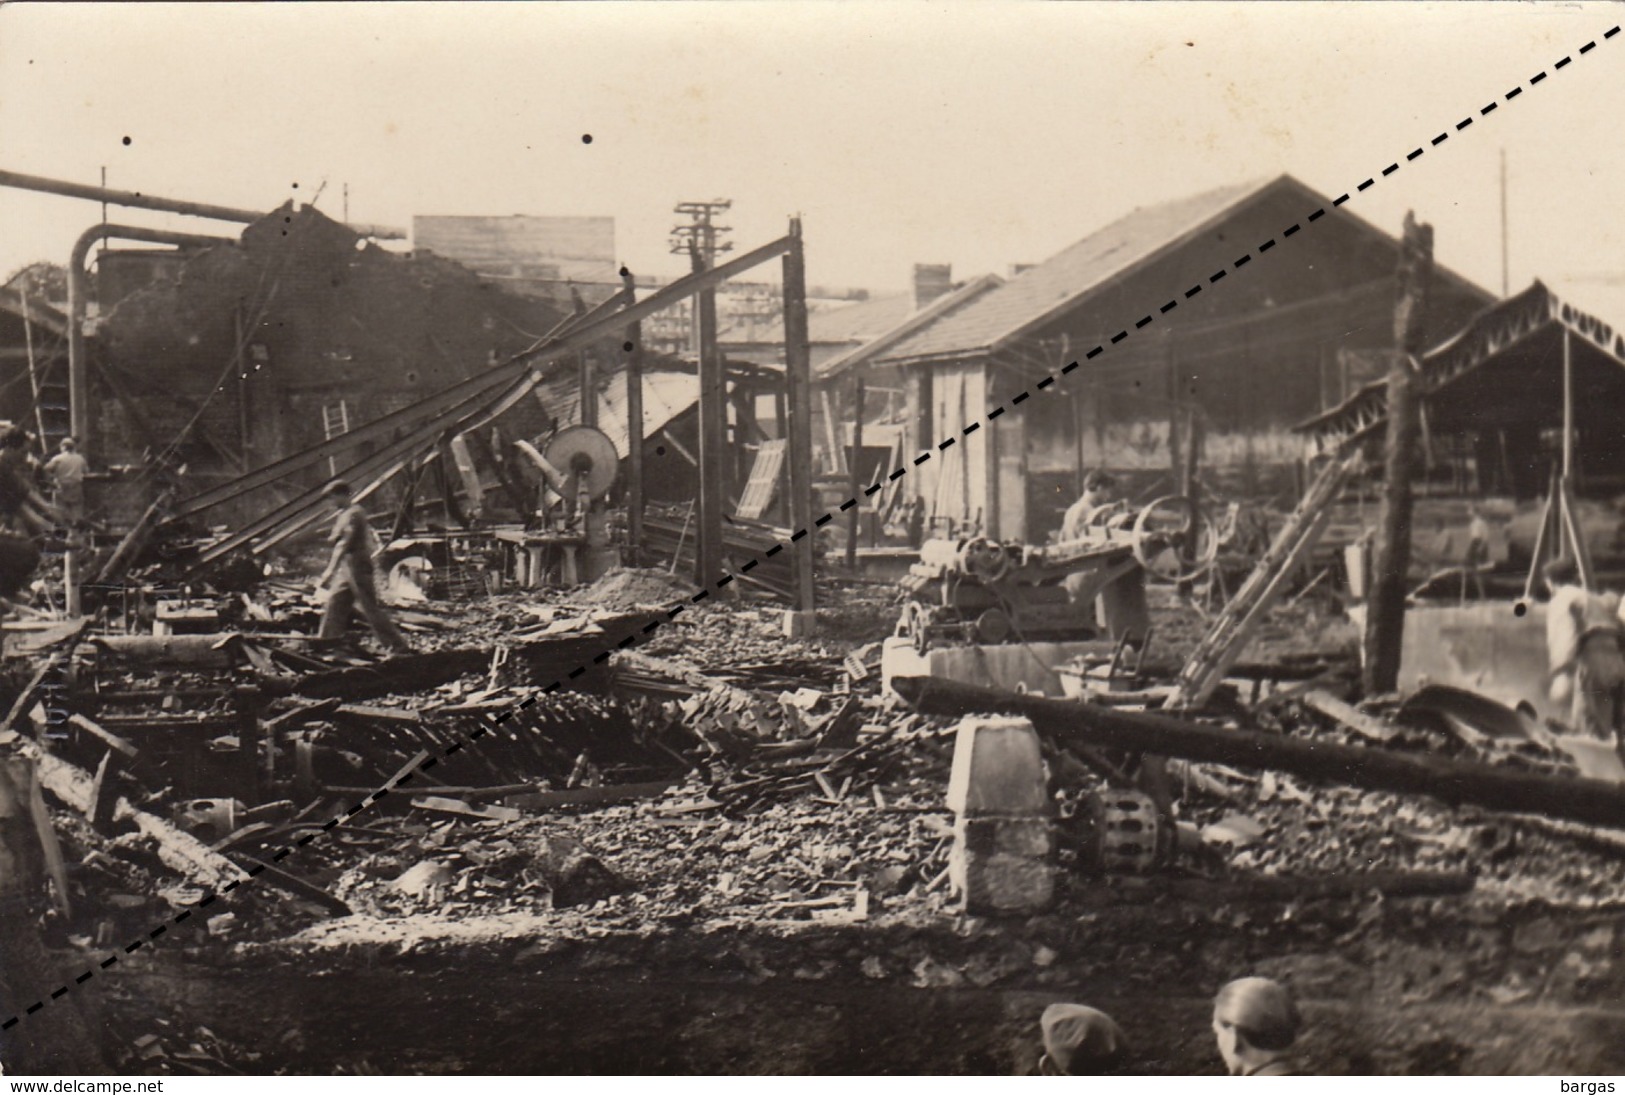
[798,377]
[854,483]
[1385,608]
[634,429]
[713,423]
[587,379]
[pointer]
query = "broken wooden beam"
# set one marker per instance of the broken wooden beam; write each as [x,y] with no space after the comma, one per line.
[1391,884]
[179,851]
[299,887]
[589,796]
[1596,802]
[1367,726]
[107,737]
[466,809]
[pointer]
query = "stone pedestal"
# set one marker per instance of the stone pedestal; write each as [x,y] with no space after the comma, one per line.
[1003,842]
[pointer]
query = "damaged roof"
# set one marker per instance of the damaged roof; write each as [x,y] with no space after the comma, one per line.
[1506,330]
[1064,279]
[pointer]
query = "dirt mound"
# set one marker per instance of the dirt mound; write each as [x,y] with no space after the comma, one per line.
[628,587]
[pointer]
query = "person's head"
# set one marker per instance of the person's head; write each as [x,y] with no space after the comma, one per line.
[1255,1020]
[1100,486]
[68,444]
[1079,1040]
[14,438]
[1561,571]
[337,494]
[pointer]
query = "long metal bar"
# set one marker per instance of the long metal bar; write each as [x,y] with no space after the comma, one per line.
[590,330]
[480,419]
[310,505]
[296,508]
[19,181]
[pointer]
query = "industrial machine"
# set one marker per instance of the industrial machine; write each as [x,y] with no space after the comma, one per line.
[982,591]
[580,465]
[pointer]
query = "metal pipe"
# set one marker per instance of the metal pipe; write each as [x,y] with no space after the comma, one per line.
[78,289]
[136,200]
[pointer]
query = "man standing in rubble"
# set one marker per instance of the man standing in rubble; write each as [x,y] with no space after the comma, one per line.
[66,473]
[350,578]
[1583,643]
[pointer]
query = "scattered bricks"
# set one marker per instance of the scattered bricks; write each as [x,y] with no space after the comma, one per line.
[998,770]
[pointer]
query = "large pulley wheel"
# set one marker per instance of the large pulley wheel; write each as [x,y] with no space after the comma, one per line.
[985,560]
[917,626]
[1174,539]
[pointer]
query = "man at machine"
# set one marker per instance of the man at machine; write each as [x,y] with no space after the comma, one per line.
[1120,605]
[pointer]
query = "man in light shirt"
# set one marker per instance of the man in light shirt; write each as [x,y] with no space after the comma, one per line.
[1583,644]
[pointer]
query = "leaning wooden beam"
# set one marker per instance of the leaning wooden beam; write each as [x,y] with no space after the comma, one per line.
[1597,802]
[1289,888]
[179,851]
[580,336]
[307,506]
[1235,625]
[387,426]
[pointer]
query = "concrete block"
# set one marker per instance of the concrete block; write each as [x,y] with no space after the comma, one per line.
[1008,667]
[998,770]
[800,623]
[1001,866]
[1033,837]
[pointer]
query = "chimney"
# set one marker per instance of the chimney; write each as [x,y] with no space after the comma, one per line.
[931,280]
[1019,268]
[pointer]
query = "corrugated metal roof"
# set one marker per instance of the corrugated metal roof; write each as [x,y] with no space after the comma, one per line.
[857,322]
[1034,294]
[876,347]
[847,323]
[665,396]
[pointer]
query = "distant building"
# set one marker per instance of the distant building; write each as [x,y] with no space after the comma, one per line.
[535,256]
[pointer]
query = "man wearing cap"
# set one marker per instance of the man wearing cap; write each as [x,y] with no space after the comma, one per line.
[1256,1021]
[350,577]
[1079,1041]
[66,474]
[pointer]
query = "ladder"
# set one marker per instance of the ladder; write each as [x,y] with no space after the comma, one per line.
[49,386]
[1230,632]
[335,423]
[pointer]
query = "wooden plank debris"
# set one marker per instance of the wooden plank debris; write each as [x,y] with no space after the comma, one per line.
[1349,716]
[466,809]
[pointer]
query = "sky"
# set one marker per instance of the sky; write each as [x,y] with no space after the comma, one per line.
[978,134]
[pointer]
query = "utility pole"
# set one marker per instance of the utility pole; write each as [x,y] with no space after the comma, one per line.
[699,238]
[1385,608]
[634,427]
